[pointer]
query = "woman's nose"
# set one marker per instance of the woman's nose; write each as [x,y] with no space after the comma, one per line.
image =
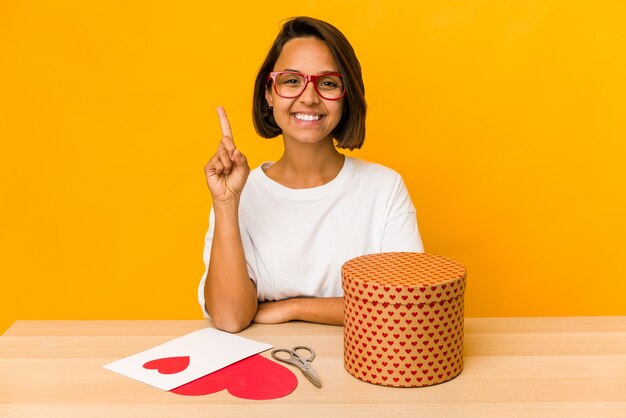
[309,95]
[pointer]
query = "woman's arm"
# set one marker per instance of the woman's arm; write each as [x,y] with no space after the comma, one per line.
[319,310]
[230,295]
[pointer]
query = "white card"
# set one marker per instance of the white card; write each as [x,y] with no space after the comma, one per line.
[179,361]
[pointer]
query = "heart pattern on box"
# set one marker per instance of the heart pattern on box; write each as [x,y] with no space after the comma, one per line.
[403,318]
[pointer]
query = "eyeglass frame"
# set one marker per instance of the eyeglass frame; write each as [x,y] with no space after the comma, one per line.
[309,78]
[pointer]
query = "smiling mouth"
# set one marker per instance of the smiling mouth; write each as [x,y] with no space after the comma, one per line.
[307,118]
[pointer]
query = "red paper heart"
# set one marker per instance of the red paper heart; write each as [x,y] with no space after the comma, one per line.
[254,377]
[168,365]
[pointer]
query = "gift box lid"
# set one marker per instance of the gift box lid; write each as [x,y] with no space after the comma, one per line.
[403,277]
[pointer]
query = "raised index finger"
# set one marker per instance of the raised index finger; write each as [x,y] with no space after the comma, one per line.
[227,135]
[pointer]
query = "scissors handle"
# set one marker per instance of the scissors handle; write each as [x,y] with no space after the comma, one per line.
[310,353]
[289,359]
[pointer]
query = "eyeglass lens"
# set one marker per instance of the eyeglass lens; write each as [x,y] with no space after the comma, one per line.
[291,85]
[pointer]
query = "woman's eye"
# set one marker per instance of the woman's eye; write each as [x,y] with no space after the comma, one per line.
[330,83]
[290,80]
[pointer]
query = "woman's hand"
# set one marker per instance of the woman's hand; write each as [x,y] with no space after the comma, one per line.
[227,170]
[318,310]
[274,312]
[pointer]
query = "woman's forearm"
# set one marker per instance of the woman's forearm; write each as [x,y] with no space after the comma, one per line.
[319,310]
[230,295]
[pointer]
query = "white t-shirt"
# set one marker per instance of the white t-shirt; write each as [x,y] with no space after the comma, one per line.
[296,240]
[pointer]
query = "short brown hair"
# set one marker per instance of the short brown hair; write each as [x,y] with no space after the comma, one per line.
[350,131]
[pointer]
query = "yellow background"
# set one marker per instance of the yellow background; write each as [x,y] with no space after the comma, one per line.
[506,119]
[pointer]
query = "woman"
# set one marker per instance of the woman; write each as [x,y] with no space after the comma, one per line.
[278,235]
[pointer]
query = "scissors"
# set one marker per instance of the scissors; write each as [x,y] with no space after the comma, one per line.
[300,360]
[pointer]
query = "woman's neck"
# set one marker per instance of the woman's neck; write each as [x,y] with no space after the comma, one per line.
[303,166]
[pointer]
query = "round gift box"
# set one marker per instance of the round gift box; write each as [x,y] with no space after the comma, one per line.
[403,318]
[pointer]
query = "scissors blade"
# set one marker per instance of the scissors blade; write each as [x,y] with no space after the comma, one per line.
[310,374]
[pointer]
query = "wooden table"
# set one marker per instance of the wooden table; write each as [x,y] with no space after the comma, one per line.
[517,367]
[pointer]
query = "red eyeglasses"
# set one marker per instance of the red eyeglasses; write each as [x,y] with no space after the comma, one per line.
[291,84]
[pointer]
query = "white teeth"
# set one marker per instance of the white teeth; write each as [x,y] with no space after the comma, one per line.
[308,118]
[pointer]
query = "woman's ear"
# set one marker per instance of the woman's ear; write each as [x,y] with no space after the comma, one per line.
[268,98]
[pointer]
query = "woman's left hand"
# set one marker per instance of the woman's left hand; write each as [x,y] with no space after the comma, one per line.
[319,310]
[274,312]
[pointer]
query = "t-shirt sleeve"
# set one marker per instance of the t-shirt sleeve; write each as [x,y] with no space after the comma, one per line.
[206,256]
[401,232]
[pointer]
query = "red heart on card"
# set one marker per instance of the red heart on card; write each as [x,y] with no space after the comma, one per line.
[168,365]
[254,377]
